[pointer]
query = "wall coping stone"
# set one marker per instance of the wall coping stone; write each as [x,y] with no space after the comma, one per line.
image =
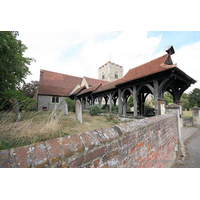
[172,106]
[195,108]
[76,147]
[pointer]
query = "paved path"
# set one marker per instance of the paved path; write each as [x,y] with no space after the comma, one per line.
[192,144]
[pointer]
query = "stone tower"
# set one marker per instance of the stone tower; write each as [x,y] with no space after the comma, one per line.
[110,72]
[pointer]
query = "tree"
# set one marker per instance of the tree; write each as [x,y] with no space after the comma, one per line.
[185,101]
[130,102]
[13,65]
[194,97]
[168,97]
[70,104]
[30,88]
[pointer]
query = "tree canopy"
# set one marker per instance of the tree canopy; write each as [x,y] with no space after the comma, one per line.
[13,65]
[194,97]
[30,88]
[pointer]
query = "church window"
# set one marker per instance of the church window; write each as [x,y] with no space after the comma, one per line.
[55,99]
[116,75]
[103,76]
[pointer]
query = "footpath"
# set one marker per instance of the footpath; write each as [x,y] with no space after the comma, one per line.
[191,140]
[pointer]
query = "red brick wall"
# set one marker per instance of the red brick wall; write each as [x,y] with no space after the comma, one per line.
[148,142]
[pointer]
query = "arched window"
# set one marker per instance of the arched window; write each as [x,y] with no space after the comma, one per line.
[116,75]
[103,76]
[55,99]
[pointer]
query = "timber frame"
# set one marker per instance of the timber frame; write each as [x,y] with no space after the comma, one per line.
[155,78]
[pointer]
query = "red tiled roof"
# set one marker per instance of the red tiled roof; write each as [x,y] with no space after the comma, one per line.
[78,90]
[108,86]
[92,81]
[60,81]
[53,90]
[91,89]
[152,67]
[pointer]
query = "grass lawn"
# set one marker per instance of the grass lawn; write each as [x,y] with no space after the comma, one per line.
[37,126]
[187,114]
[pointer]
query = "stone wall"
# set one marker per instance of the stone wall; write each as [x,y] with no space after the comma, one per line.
[149,142]
[186,122]
[46,101]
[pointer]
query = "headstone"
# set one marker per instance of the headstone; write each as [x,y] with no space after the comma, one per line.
[78,111]
[16,109]
[65,108]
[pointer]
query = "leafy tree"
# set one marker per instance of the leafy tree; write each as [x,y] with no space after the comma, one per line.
[70,104]
[168,97]
[130,102]
[30,88]
[194,97]
[185,101]
[13,65]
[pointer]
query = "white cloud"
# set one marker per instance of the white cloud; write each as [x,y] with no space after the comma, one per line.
[82,53]
[52,51]
[127,50]
[188,60]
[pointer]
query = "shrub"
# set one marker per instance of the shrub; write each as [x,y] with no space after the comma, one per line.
[107,108]
[104,107]
[94,110]
[70,104]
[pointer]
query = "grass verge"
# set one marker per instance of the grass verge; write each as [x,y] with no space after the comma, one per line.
[187,114]
[37,126]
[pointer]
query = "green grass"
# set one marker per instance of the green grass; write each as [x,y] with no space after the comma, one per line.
[37,126]
[187,114]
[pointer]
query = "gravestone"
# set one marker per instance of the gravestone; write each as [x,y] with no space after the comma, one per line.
[16,109]
[78,108]
[65,108]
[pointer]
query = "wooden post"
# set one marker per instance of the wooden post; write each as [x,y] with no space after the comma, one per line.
[110,102]
[86,102]
[155,85]
[119,102]
[135,100]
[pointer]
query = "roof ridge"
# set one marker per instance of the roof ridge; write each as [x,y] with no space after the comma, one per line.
[60,73]
[148,62]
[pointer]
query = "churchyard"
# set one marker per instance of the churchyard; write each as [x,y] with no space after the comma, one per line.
[37,126]
[187,114]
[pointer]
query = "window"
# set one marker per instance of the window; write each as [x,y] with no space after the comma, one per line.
[103,76]
[116,75]
[55,99]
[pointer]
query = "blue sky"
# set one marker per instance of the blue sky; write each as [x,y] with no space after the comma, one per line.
[177,38]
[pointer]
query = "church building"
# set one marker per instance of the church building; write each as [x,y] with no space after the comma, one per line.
[54,87]
[152,78]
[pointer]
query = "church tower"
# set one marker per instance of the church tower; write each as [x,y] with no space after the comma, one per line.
[110,72]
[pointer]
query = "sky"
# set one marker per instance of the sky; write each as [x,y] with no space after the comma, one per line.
[81,53]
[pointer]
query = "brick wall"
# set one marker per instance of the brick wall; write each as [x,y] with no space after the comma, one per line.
[150,142]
